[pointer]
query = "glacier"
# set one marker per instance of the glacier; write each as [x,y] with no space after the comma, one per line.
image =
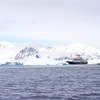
[56,55]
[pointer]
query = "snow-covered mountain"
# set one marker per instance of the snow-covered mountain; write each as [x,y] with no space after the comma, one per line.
[6,51]
[70,51]
[85,51]
[26,52]
[30,55]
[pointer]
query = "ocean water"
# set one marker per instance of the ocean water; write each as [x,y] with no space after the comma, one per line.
[50,83]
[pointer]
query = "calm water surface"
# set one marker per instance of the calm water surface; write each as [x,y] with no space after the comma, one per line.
[57,83]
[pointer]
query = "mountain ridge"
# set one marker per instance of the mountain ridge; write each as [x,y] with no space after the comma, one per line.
[9,52]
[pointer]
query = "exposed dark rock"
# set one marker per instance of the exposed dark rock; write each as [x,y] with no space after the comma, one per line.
[26,52]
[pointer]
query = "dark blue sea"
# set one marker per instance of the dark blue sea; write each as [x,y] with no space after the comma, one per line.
[79,82]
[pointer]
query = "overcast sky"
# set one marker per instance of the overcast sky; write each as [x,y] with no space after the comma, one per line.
[50,21]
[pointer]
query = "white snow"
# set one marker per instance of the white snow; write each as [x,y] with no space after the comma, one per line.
[7,52]
[94,61]
[48,55]
[43,61]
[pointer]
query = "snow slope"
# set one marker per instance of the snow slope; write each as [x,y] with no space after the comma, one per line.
[44,61]
[84,50]
[30,55]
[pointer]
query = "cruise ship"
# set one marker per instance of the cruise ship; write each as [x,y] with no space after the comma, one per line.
[77,60]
